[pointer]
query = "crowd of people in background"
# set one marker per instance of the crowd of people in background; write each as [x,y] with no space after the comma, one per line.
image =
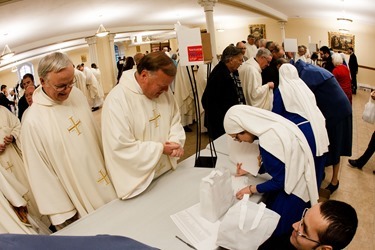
[257,91]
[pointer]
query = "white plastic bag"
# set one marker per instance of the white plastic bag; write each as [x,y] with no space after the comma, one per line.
[369,112]
[246,225]
[216,195]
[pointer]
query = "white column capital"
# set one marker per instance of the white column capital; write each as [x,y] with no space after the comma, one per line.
[91,40]
[208,5]
[282,24]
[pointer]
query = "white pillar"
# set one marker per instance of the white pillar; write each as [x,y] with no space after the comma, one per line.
[282,27]
[102,52]
[208,6]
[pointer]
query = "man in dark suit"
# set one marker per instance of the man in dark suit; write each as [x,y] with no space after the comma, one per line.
[353,66]
[27,79]
[4,101]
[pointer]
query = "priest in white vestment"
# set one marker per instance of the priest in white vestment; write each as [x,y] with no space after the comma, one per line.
[80,83]
[96,92]
[11,157]
[141,126]
[256,94]
[61,146]
[12,194]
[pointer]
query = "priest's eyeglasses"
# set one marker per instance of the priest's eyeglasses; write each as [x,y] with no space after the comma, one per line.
[301,226]
[64,86]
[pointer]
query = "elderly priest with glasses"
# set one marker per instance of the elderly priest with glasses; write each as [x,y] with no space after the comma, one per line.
[61,146]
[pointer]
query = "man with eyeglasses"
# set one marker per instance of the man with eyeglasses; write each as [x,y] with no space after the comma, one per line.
[329,225]
[256,94]
[61,146]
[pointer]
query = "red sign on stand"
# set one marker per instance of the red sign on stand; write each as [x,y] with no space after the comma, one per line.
[195,53]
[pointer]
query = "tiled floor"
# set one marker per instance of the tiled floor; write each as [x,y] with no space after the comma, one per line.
[356,187]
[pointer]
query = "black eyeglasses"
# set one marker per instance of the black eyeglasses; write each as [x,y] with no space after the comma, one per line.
[301,225]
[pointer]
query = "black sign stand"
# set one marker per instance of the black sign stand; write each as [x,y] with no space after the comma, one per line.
[201,161]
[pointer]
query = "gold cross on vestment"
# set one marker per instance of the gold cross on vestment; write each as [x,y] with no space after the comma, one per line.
[10,166]
[74,126]
[155,118]
[104,177]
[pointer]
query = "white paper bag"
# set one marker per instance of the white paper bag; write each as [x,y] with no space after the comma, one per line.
[369,112]
[246,225]
[216,195]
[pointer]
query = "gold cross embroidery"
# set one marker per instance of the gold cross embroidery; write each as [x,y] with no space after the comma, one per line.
[74,126]
[155,118]
[10,166]
[104,177]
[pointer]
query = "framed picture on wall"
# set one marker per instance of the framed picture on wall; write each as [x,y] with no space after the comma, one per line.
[258,30]
[340,42]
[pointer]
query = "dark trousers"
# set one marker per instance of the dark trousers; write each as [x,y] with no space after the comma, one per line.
[369,151]
[354,81]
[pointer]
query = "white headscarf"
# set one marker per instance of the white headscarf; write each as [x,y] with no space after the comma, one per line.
[284,140]
[299,99]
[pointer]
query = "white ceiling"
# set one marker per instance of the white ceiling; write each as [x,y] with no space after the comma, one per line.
[32,24]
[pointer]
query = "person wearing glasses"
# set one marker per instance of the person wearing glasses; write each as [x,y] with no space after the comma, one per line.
[256,94]
[61,146]
[285,156]
[329,225]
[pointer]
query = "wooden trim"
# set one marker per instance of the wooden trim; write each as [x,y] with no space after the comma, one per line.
[365,67]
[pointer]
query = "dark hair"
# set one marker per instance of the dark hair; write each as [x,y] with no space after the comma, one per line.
[155,61]
[3,87]
[28,75]
[314,56]
[230,52]
[129,63]
[343,223]
[350,48]
[325,50]
[93,65]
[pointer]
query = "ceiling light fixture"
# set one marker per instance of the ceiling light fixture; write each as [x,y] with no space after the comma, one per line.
[344,24]
[101,32]
[7,53]
[344,20]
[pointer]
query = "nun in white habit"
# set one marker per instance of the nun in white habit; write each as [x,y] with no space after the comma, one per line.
[285,155]
[295,101]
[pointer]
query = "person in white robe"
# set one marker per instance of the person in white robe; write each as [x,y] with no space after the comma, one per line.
[12,194]
[80,83]
[61,146]
[11,157]
[96,93]
[98,75]
[256,94]
[141,126]
[251,48]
